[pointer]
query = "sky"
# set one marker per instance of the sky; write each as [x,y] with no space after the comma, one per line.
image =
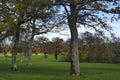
[116,28]
[66,33]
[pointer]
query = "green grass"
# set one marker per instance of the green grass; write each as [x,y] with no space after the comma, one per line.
[49,69]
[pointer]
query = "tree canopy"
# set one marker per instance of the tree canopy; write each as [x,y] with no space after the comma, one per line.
[16,16]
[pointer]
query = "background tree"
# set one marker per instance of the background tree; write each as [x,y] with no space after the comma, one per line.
[43,43]
[94,46]
[113,51]
[58,46]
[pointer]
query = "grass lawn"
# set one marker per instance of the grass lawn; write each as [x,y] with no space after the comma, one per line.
[49,69]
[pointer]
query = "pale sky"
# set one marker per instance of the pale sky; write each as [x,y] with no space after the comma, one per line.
[66,33]
[116,28]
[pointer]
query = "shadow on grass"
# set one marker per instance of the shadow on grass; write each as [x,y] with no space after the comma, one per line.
[40,69]
[43,70]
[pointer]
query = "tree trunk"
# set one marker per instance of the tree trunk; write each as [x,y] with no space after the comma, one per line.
[56,56]
[14,51]
[25,50]
[30,45]
[74,46]
[29,63]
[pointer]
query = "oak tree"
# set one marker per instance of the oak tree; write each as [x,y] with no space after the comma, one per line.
[87,13]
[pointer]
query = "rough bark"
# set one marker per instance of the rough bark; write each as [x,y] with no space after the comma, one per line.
[14,51]
[74,55]
[74,47]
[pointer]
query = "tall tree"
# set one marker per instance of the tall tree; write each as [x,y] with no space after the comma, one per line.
[86,13]
[18,13]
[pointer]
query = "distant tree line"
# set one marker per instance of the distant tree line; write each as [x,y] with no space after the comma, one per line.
[98,48]
[92,48]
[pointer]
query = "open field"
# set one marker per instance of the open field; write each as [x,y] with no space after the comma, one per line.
[49,69]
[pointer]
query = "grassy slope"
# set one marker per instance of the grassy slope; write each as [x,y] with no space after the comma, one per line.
[49,69]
